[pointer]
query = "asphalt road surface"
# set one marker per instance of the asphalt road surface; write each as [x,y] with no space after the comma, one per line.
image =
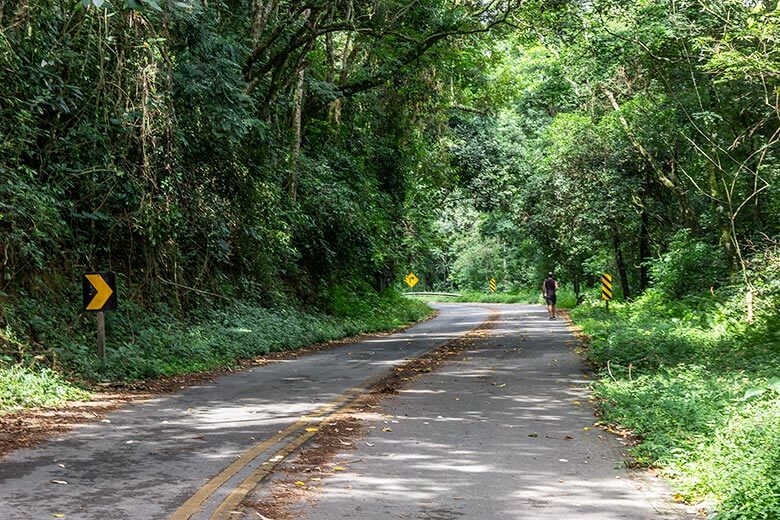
[505,431]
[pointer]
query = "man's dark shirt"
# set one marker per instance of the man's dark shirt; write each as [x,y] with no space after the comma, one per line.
[549,287]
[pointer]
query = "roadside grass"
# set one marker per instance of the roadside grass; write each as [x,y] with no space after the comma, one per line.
[24,387]
[701,390]
[153,343]
[431,298]
[566,297]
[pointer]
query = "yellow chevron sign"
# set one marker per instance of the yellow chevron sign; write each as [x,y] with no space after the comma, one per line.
[99,291]
[492,285]
[606,286]
[411,280]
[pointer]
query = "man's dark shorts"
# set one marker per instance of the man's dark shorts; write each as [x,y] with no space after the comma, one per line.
[550,300]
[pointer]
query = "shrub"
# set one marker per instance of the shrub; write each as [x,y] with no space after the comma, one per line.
[699,387]
[689,267]
[24,387]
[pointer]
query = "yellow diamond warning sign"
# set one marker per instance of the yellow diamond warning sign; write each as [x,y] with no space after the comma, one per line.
[411,280]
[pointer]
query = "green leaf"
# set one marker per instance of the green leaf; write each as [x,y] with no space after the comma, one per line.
[774,384]
[753,392]
[153,4]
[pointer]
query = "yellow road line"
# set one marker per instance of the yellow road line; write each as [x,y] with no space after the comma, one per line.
[192,505]
[237,495]
[234,499]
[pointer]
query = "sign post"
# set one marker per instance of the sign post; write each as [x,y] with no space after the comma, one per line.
[101,334]
[99,295]
[606,288]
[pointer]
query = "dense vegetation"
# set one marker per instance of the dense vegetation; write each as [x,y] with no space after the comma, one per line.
[699,386]
[619,129]
[260,172]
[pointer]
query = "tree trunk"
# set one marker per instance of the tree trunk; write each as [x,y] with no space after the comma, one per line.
[577,287]
[644,249]
[297,134]
[260,14]
[667,180]
[621,265]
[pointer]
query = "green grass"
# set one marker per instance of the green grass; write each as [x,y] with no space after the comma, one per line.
[24,387]
[432,298]
[144,344]
[700,388]
[566,297]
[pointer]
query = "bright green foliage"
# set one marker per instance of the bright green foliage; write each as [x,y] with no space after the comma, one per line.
[145,345]
[24,387]
[634,120]
[700,389]
[566,298]
[688,267]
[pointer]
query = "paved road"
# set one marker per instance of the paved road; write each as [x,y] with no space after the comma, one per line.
[182,455]
[152,457]
[504,432]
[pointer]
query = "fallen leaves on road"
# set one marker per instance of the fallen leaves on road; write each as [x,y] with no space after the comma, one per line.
[282,494]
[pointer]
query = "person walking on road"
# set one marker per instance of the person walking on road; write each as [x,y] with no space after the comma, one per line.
[549,286]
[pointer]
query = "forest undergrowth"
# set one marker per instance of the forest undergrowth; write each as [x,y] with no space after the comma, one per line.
[58,361]
[700,388]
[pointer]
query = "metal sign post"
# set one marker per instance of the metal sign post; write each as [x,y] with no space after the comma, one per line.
[99,295]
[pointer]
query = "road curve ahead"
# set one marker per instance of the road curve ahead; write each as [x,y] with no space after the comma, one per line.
[180,455]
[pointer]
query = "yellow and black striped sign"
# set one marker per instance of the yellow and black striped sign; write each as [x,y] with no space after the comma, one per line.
[492,285]
[606,286]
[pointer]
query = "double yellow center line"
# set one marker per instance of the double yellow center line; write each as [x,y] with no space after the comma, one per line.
[303,426]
